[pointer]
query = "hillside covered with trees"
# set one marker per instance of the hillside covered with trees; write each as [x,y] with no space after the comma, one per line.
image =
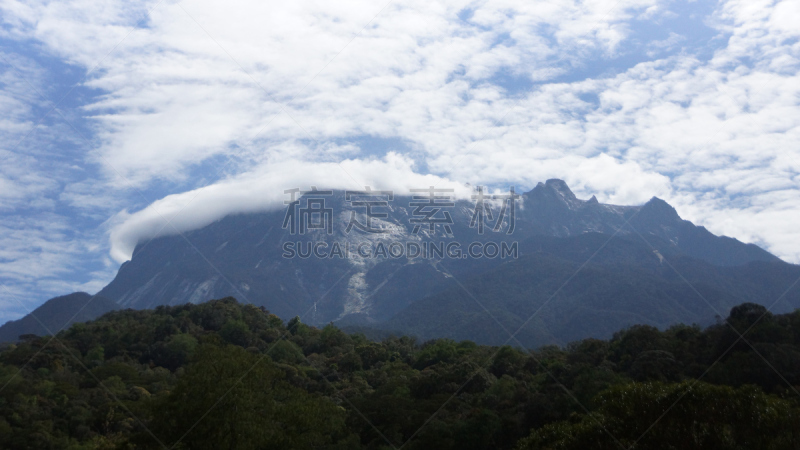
[222,375]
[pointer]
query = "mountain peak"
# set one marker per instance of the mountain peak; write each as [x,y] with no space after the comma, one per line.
[561,187]
[555,192]
[659,209]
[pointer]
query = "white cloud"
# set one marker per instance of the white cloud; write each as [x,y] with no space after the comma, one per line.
[177,96]
[263,190]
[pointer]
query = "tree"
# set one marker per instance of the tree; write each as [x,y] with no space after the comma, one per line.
[230,398]
[676,416]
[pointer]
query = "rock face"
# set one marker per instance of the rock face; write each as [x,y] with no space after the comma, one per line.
[248,256]
[553,210]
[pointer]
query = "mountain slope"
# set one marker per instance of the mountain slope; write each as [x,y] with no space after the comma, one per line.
[625,284]
[56,314]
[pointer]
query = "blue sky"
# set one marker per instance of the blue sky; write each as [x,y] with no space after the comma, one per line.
[121,117]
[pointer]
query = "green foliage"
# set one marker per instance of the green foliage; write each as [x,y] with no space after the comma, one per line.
[235,332]
[232,399]
[684,415]
[225,375]
[442,351]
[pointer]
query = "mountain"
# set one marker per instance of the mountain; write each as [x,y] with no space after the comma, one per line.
[56,314]
[255,258]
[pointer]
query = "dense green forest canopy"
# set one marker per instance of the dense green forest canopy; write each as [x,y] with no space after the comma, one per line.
[222,375]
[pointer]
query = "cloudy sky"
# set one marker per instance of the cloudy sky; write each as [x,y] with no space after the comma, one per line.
[117,117]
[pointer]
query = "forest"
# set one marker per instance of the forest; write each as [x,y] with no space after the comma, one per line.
[226,375]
